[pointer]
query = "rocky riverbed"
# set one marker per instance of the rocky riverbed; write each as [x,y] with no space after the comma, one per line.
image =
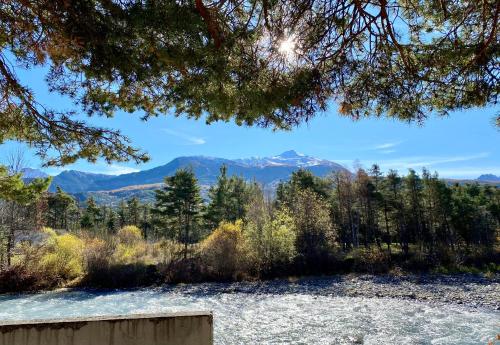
[468,290]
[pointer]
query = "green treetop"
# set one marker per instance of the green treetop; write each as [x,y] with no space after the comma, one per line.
[13,188]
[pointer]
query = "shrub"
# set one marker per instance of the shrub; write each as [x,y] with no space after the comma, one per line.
[225,251]
[169,251]
[18,278]
[131,248]
[97,253]
[129,253]
[129,235]
[63,258]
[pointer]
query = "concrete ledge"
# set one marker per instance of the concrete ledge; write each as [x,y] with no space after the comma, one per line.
[192,328]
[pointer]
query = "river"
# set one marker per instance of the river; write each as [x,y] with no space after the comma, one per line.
[279,313]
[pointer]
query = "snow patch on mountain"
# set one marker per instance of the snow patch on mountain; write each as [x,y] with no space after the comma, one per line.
[287,158]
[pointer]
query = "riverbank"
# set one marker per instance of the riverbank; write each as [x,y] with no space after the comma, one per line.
[470,290]
[474,291]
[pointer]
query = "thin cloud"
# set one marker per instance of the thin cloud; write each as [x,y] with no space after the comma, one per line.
[418,162]
[100,168]
[386,146]
[468,172]
[191,140]
[435,163]
[115,169]
[386,152]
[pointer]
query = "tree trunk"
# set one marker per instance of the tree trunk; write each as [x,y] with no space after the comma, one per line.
[388,234]
[10,236]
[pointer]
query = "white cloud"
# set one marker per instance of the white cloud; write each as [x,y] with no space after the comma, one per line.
[115,169]
[428,161]
[435,163]
[191,140]
[387,145]
[386,152]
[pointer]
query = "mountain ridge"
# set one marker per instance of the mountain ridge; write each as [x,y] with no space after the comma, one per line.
[489,178]
[267,170]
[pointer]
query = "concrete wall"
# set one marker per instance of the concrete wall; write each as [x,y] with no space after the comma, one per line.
[161,329]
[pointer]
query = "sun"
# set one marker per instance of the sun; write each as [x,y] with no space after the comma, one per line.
[287,46]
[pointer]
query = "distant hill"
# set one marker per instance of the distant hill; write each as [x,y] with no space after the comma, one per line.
[489,178]
[30,173]
[268,171]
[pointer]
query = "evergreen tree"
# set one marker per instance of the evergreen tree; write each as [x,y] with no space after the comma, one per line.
[122,214]
[301,180]
[62,210]
[413,189]
[343,214]
[92,215]
[179,204]
[18,194]
[366,207]
[395,205]
[133,207]
[228,199]
[218,195]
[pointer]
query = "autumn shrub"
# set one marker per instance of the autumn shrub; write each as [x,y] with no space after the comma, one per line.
[168,251]
[129,235]
[130,247]
[225,251]
[63,256]
[97,253]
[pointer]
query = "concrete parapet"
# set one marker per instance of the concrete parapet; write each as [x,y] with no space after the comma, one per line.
[195,328]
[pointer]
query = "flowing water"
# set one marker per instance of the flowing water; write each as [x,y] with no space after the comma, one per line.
[270,315]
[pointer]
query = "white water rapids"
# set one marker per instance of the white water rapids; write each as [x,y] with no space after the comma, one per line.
[277,316]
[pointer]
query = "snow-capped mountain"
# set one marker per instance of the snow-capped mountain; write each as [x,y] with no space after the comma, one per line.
[287,158]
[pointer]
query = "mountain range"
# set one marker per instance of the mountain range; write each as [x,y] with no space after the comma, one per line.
[268,171]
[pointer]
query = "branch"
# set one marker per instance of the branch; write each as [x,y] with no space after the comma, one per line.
[211,25]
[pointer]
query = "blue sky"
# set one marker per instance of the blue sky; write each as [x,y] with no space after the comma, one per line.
[464,145]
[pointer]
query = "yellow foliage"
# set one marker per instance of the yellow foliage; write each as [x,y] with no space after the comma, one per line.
[169,251]
[272,243]
[64,256]
[131,248]
[129,234]
[129,253]
[225,250]
[49,231]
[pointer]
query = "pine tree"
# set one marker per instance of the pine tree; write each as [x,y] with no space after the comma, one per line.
[218,195]
[92,215]
[62,210]
[18,194]
[133,207]
[179,204]
[224,59]
[228,199]
[122,214]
